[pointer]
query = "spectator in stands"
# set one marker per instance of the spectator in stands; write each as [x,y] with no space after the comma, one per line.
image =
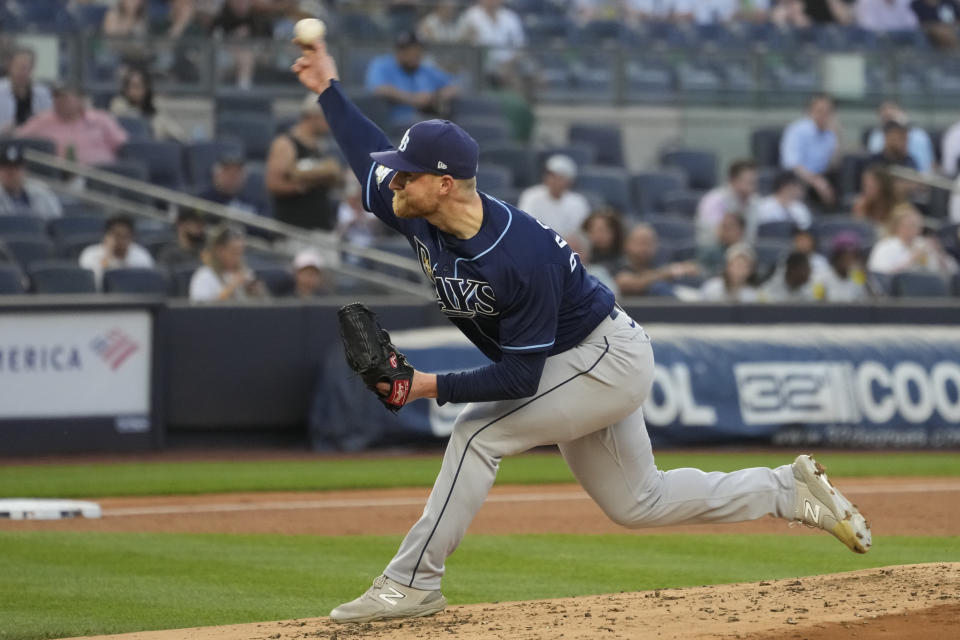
[829,11]
[553,202]
[919,145]
[20,195]
[733,285]
[950,147]
[117,250]
[229,176]
[415,88]
[791,284]
[885,15]
[224,276]
[738,196]
[604,231]
[939,19]
[845,280]
[87,135]
[21,97]
[894,150]
[489,24]
[136,101]
[355,224]
[310,275]
[441,26]
[878,196]
[239,20]
[806,243]
[191,240]
[640,276]
[581,246]
[785,204]
[730,231]
[906,249]
[126,18]
[808,147]
[301,172]
[180,21]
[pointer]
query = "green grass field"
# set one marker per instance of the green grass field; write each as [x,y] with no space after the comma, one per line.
[165,478]
[63,584]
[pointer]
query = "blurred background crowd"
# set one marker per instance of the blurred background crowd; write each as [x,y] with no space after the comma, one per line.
[817,211]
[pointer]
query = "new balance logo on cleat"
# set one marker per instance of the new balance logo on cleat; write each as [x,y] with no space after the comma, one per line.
[393,597]
[811,512]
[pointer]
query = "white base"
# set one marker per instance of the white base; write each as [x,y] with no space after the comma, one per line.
[34,509]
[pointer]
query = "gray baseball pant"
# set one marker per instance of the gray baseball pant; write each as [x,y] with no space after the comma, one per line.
[588,403]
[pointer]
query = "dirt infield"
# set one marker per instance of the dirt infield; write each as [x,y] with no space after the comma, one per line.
[916,601]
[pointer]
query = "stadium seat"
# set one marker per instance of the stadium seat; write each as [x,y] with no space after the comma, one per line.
[852,166]
[11,280]
[491,176]
[78,209]
[201,156]
[180,279]
[682,202]
[650,81]
[164,161]
[43,145]
[18,225]
[63,229]
[699,165]
[144,281]
[473,106]
[610,183]
[673,229]
[955,285]
[769,253]
[684,252]
[278,280]
[255,191]
[71,247]
[487,129]
[765,179]
[919,285]
[825,229]
[607,141]
[649,188]
[90,16]
[256,132]
[55,276]
[137,129]
[520,160]
[360,27]
[243,102]
[880,284]
[765,146]
[776,230]
[29,248]
[375,107]
[509,195]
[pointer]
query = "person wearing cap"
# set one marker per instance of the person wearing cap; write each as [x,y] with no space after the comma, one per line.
[412,86]
[310,278]
[20,96]
[554,203]
[846,279]
[302,172]
[19,194]
[919,145]
[733,285]
[228,178]
[87,135]
[191,238]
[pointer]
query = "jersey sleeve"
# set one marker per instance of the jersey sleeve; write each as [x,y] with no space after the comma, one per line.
[357,138]
[529,323]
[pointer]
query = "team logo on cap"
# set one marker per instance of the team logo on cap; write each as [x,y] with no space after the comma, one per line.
[405,141]
[441,165]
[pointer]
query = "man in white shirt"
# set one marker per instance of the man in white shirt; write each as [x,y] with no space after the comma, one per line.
[116,251]
[885,15]
[488,24]
[785,204]
[738,196]
[553,203]
[907,250]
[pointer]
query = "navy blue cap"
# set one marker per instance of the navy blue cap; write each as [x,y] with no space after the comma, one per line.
[434,146]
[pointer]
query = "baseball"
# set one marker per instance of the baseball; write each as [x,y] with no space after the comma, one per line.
[308,31]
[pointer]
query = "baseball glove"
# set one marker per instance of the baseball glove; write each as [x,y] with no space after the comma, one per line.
[371,354]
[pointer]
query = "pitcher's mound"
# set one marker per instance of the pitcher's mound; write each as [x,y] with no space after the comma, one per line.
[902,602]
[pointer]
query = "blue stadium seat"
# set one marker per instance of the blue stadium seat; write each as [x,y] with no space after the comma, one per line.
[765,146]
[255,191]
[607,141]
[18,225]
[29,248]
[360,27]
[880,284]
[244,102]
[256,132]
[825,229]
[11,280]
[488,129]
[919,285]
[375,107]
[673,229]
[649,188]
[684,252]
[765,179]
[491,177]
[137,129]
[278,280]
[62,229]
[43,145]
[164,161]
[143,281]
[520,160]
[650,80]
[78,209]
[90,16]
[547,28]
[510,195]
[949,235]
[54,276]
[776,230]
[682,202]
[852,166]
[769,253]
[699,165]
[71,247]
[955,285]
[180,277]
[201,156]
[473,106]
[612,184]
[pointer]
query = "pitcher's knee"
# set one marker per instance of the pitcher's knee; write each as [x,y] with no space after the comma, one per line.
[637,513]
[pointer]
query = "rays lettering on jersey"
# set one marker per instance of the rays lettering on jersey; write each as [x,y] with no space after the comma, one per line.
[458,297]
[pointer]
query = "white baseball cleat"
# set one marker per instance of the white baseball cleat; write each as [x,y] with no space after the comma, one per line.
[819,504]
[388,599]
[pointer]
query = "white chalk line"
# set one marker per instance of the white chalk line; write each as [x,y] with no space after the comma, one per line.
[367,503]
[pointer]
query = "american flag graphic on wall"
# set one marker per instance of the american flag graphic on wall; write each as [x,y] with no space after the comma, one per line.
[114,347]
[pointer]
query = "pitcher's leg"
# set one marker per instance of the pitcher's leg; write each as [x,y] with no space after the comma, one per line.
[616,467]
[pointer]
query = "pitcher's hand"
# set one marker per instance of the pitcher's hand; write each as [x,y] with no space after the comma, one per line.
[315,67]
